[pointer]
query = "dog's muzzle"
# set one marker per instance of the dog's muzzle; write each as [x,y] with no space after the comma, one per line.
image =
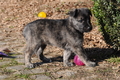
[87,29]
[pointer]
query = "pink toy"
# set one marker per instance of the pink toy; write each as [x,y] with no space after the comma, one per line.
[77,61]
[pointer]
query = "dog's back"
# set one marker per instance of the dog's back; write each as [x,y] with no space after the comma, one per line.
[48,31]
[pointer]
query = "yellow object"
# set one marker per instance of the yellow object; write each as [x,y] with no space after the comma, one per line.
[42,14]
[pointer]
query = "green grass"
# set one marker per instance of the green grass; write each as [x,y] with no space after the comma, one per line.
[17,76]
[47,74]
[66,11]
[2,60]
[26,76]
[12,63]
[15,54]
[11,18]
[114,60]
[57,9]
[11,26]
[6,71]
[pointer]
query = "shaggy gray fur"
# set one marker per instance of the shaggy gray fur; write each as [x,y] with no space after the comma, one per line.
[63,33]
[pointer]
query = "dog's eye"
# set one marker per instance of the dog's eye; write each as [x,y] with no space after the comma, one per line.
[81,20]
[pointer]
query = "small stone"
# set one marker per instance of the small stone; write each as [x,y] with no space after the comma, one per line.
[16,68]
[40,77]
[17,72]
[26,72]
[66,73]
[20,60]
[38,70]
[3,77]
[4,62]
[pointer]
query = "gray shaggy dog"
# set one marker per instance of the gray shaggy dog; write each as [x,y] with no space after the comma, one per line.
[63,33]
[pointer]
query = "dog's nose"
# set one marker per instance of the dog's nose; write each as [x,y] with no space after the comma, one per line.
[87,28]
[90,28]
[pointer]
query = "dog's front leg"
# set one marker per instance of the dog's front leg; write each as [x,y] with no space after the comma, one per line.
[66,55]
[82,55]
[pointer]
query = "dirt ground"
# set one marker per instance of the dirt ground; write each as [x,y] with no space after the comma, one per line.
[15,14]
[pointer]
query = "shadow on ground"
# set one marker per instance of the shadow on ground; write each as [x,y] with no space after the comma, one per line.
[99,54]
[94,54]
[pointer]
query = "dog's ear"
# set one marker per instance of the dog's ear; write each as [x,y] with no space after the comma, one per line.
[73,13]
[88,11]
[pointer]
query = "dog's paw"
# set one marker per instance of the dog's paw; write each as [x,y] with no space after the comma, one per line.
[30,65]
[91,64]
[68,64]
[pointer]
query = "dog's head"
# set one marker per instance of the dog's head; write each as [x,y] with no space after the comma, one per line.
[80,19]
